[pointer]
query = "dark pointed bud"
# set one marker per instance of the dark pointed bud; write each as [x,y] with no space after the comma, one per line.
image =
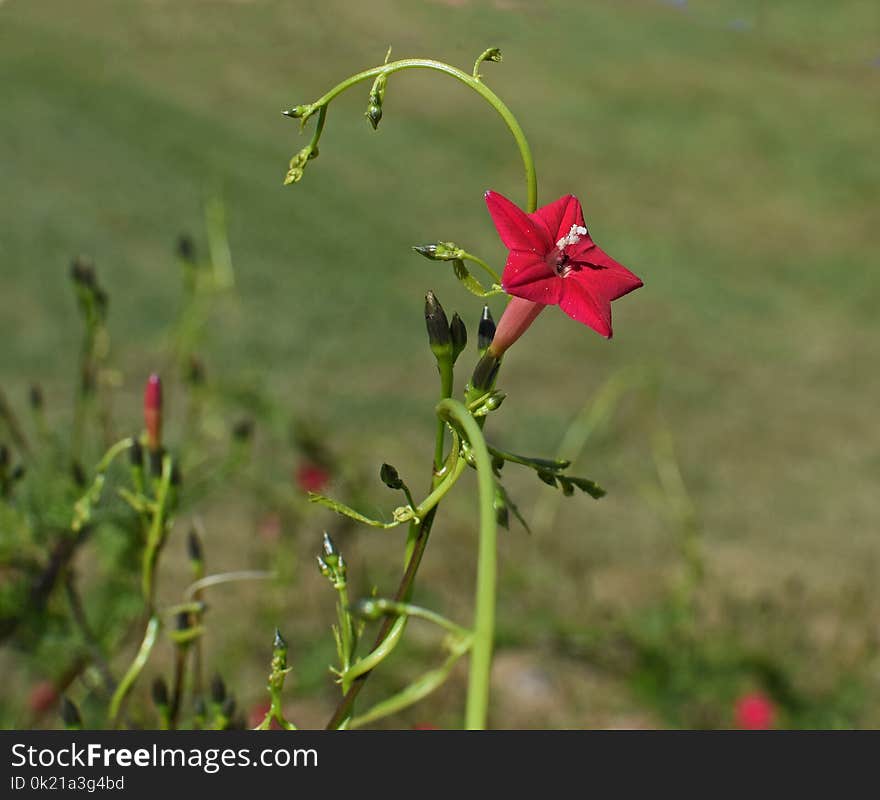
[156,462]
[279,644]
[70,715]
[183,621]
[186,249]
[374,115]
[153,411]
[390,477]
[200,710]
[228,708]
[160,693]
[486,331]
[101,302]
[439,337]
[194,546]
[458,334]
[485,372]
[195,373]
[82,272]
[243,430]
[502,515]
[78,474]
[427,250]
[218,689]
[35,397]
[136,454]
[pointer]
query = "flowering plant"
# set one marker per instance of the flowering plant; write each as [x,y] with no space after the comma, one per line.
[552,260]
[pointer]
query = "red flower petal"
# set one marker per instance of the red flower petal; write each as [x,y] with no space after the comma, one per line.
[582,304]
[560,215]
[528,275]
[517,229]
[608,278]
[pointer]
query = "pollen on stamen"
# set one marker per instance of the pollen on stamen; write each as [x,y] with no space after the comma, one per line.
[572,237]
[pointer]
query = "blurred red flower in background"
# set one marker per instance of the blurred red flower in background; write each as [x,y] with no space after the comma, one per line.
[754,712]
[311,477]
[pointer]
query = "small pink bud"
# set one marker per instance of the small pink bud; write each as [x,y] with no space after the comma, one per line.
[754,712]
[514,322]
[153,411]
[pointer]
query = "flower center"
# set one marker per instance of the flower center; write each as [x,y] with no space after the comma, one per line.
[561,259]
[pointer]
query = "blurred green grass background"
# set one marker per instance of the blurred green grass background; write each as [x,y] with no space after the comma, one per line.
[724,151]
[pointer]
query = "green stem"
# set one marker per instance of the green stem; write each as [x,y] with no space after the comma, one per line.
[446,379]
[416,691]
[484,614]
[156,535]
[135,669]
[478,86]
[480,263]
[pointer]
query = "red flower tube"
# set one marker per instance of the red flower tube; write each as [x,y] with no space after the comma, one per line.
[153,412]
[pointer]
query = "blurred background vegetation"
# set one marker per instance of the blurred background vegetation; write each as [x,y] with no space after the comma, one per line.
[725,151]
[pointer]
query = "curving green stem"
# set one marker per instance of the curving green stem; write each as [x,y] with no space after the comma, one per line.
[477,706]
[135,669]
[468,80]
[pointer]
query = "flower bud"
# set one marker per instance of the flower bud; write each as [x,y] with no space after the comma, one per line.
[35,397]
[278,644]
[153,411]
[243,429]
[486,331]
[390,477]
[194,547]
[439,337]
[136,454]
[160,693]
[82,272]
[439,251]
[218,689]
[458,334]
[70,715]
[375,100]
[186,249]
[485,372]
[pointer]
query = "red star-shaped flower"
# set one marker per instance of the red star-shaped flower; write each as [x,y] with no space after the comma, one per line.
[553,261]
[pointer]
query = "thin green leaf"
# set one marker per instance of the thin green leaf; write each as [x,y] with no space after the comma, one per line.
[346,511]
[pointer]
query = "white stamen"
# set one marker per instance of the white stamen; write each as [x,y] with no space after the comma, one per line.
[572,237]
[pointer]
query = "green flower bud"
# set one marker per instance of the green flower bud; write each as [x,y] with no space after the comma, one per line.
[439,251]
[439,337]
[458,334]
